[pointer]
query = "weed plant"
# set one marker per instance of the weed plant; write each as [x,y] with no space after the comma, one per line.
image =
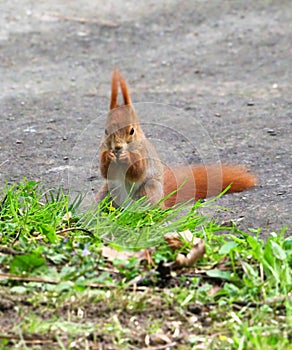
[238,296]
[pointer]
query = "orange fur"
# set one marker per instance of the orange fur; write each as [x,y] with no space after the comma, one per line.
[114,92]
[119,80]
[136,170]
[104,163]
[128,158]
[199,182]
[125,92]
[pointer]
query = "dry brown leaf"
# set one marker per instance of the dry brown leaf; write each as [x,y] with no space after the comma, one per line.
[176,325]
[214,290]
[157,339]
[195,254]
[112,254]
[176,240]
[67,217]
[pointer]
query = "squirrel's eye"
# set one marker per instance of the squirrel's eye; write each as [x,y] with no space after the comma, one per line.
[132,131]
[105,131]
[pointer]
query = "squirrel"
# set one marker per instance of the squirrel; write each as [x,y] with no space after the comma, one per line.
[132,169]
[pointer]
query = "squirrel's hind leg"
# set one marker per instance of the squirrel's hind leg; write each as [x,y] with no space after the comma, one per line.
[153,191]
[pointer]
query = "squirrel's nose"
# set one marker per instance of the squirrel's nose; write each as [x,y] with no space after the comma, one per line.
[118,148]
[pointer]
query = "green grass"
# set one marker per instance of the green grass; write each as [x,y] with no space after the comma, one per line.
[58,291]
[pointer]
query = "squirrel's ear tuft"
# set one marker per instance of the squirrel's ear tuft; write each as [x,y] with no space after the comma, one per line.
[114,94]
[118,79]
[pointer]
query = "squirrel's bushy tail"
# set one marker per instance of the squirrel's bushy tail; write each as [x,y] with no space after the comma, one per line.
[195,182]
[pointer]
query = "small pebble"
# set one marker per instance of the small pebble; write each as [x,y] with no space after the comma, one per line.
[82,33]
[30,129]
[195,309]
[92,178]
[271,132]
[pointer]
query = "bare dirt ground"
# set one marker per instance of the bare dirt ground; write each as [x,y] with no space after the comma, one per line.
[222,70]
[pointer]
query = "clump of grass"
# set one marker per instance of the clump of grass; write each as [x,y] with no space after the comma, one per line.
[51,254]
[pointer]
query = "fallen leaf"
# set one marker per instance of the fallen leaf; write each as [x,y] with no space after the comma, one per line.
[156,339]
[176,326]
[67,217]
[213,290]
[195,254]
[176,240]
[113,254]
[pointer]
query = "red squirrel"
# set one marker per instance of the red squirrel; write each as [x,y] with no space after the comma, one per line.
[132,168]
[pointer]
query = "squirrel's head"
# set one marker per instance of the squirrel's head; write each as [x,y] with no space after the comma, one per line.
[122,125]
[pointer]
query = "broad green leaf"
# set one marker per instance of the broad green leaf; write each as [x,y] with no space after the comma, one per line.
[256,247]
[250,270]
[49,232]
[204,288]
[57,258]
[26,263]
[288,243]
[18,290]
[226,275]
[227,247]
[278,252]
[68,272]
[252,242]
[62,286]
[269,257]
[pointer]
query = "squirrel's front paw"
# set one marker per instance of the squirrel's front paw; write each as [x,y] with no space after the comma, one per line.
[124,157]
[111,156]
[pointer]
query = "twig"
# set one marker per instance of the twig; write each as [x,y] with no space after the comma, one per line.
[73,229]
[9,276]
[133,288]
[6,250]
[279,298]
[106,269]
[203,274]
[5,161]
[84,20]
[161,347]
[28,341]
[17,236]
